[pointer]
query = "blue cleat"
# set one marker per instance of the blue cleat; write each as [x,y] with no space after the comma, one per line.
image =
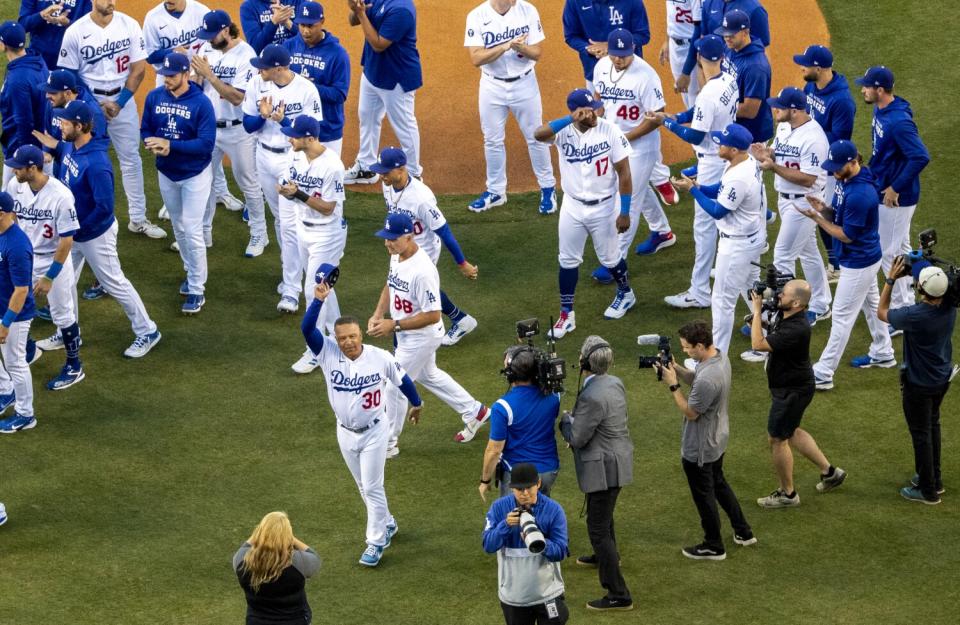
[548,201]
[392,530]
[487,200]
[6,401]
[602,275]
[67,378]
[184,288]
[43,312]
[94,292]
[245,216]
[655,242]
[745,330]
[16,423]
[193,304]
[771,216]
[371,555]
[866,362]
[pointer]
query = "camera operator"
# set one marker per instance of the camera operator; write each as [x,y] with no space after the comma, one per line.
[706,428]
[925,373]
[521,425]
[603,453]
[530,585]
[791,382]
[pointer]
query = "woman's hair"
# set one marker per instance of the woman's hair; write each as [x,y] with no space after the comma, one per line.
[271,549]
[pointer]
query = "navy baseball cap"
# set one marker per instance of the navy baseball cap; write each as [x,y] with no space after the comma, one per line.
[25,156]
[390,159]
[327,273]
[620,43]
[789,98]
[174,63]
[524,475]
[710,47]
[733,136]
[840,153]
[213,23]
[878,76]
[580,98]
[272,56]
[733,22]
[302,126]
[60,80]
[6,202]
[814,56]
[75,111]
[309,13]
[12,34]
[396,225]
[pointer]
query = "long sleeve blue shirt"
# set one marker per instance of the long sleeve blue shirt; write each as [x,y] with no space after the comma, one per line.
[327,66]
[752,71]
[550,519]
[52,127]
[832,107]
[257,28]
[21,102]
[899,154]
[594,20]
[45,38]
[16,270]
[88,174]
[189,122]
[855,206]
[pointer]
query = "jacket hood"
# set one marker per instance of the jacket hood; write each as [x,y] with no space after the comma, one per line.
[754,47]
[31,60]
[865,176]
[898,108]
[839,83]
[191,94]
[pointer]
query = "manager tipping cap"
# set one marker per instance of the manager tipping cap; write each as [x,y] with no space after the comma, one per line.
[60,80]
[789,98]
[390,159]
[302,126]
[396,225]
[878,76]
[814,56]
[580,98]
[933,281]
[733,136]
[733,22]
[620,43]
[710,47]
[75,111]
[841,152]
[12,34]
[309,13]
[6,202]
[271,56]
[174,63]
[25,156]
[213,23]
[524,475]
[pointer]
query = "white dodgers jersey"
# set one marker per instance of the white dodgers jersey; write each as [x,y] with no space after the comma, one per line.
[356,389]
[627,95]
[681,14]
[323,178]
[418,202]
[487,29]
[715,109]
[46,215]
[802,148]
[162,31]
[102,56]
[233,68]
[587,158]
[299,97]
[414,288]
[741,192]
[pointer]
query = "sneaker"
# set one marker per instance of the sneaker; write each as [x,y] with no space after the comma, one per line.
[746,540]
[6,401]
[358,175]
[43,312]
[33,353]
[866,362]
[602,275]
[689,172]
[548,201]
[94,292]
[910,493]
[822,385]
[606,603]
[590,561]
[392,530]
[392,450]
[19,422]
[142,345]
[779,499]
[814,317]
[256,245]
[829,483]
[459,330]
[566,324]
[174,247]
[184,288]
[193,304]
[915,482]
[288,304]
[655,242]
[147,228]
[668,193]
[704,552]
[53,342]
[893,331]
[164,214]
[67,378]
[485,201]
[371,555]
[752,355]
[306,364]
[833,274]
[771,218]
[622,302]
[470,429]
[229,202]
[684,300]
[3,514]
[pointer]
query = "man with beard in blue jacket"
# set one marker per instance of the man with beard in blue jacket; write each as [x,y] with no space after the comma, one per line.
[747,62]
[21,97]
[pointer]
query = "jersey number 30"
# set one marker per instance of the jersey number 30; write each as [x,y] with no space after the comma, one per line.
[371,400]
[402,304]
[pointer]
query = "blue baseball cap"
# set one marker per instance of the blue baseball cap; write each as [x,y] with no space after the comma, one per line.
[733,136]
[789,98]
[841,152]
[271,56]
[174,63]
[620,43]
[60,80]
[878,76]
[309,13]
[12,34]
[213,23]
[580,98]
[302,126]
[25,156]
[390,159]
[710,47]
[75,111]
[327,273]
[814,56]
[396,225]
[6,202]
[733,22]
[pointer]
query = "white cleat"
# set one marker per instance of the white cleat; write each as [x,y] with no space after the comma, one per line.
[174,247]
[752,355]
[358,175]
[146,228]
[459,330]
[566,324]
[288,304]
[164,214]
[622,302]
[307,363]
[229,202]
[684,300]
[256,245]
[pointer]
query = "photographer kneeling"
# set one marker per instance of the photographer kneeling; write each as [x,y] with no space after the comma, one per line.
[528,532]
[925,374]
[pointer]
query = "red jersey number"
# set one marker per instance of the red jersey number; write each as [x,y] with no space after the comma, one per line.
[402,304]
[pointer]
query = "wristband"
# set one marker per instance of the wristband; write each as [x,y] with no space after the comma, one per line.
[9,317]
[484,481]
[560,123]
[53,271]
[669,123]
[674,388]
[124,97]
[301,195]
[624,204]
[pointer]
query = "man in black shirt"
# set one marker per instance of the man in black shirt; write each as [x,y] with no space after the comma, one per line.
[791,382]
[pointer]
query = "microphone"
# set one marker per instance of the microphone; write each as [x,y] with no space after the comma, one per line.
[648,339]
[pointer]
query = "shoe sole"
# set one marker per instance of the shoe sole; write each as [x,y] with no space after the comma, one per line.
[33,424]
[663,245]
[924,501]
[776,506]
[591,565]
[685,305]
[248,254]
[889,364]
[369,564]
[611,609]
[75,380]
[715,558]
[824,387]
[826,488]
[486,207]
[565,332]
[192,311]
[373,180]
[745,543]
[304,372]
[940,490]
[87,295]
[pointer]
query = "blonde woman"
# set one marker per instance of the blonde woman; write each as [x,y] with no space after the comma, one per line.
[273,567]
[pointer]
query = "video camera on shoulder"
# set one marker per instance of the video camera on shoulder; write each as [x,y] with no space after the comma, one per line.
[928,240]
[663,357]
[771,286]
[551,370]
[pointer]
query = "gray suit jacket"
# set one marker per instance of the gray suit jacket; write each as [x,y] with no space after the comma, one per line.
[602,449]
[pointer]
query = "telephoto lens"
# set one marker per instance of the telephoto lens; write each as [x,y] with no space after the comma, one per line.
[531,534]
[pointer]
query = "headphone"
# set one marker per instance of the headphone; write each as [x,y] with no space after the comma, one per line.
[585,358]
[511,373]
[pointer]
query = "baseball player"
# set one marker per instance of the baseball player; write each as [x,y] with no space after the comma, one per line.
[61,88]
[272,100]
[391,76]
[738,204]
[46,21]
[106,49]
[44,208]
[180,126]
[628,88]
[683,20]
[16,301]
[405,194]
[86,170]
[897,159]
[172,26]
[594,166]
[412,297]
[713,11]
[267,21]
[357,389]
[747,61]
[317,55]
[853,222]
[504,40]
[21,98]
[223,63]
[313,189]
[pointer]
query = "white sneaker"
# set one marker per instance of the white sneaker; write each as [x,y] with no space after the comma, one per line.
[3,514]
[256,245]
[622,302]
[147,228]
[471,428]
[307,363]
[392,450]
[459,330]
[229,202]
[684,300]
[752,355]
[358,175]
[833,274]
[142,344]
[51,343]
[565,324]
[174,247]
[288,304]
[164,214]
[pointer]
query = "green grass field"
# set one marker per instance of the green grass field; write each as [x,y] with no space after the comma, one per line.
[128,500]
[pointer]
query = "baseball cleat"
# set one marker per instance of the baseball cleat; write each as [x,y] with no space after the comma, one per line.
[689,172]
[174,247]
[229,202]
[833,274]
[256,245]
[602,275]
[778,499]
[392,450]
[193,304]
[487,200]
[67,378]
[96,291]
[33,353]
[622,302]
[358,175]
[307,363]
[814,317]
[829,482]
[548,200]
[822,384]
[3,514]
[142,345]
[392,530]
[866,362]
[371,555]
[655,242]
[771,217]
[288,304]
[459,330]
[184,288]
[6,401]
[146,228]
[566,324]
[752,355]
[16,423]
[668,193]
[473,426]
[245,216]
[43,312]
[684,300]
[164,214]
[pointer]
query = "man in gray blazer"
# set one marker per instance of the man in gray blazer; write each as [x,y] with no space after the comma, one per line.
[603,455]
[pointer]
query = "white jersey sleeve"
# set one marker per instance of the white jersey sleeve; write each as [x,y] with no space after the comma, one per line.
[473,37]
[425,290]
[732,193]
[536,34]
[251,97]
[138,47]
[70,48]
[619,146]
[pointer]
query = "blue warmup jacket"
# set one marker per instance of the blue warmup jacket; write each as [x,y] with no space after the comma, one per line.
[53,129]
[714,10]
[45,39]
[898,152]
[395,20]
[257,28]
[832,107]
[16,270]
[189,122]
[584,20]
[752,70]
[327,66]
[21,102]
[88,174]
[856,210]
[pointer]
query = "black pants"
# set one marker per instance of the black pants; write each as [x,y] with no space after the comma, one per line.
[537,614]
[600,507]
[921,407]
[709,487]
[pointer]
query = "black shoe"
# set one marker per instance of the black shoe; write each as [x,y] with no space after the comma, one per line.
[590,561]
[703,551]
[915,482]
[606,603]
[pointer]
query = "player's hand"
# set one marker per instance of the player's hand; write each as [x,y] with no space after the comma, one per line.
[623,223]
[277,114]
[321,291]
[682,84]
[597,48]
[655,117]
[581,113]
[812,213]
[45,140]
[42,287]
[816,203]
[761,151]
[287,190]
[158,145]
[664,55]
[484,489]
[4,331]
[265,107]
[201,67]
[413,414]
[48,14]
[513,519]
[383,327]
[110,109]
[469,271]
[281,13]
[684,183]
[890,197]
[766,164]
[517,44]
[359,7]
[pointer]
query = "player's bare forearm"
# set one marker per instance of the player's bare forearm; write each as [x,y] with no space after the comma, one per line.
[137,71]
[795,176]
[63,249]
[491,455]
[884,306]
[482,56]
[231,94]
[323,207]
[544,133]
[748,109]
[533,52]
[644,128]
[622,168]
[420,320]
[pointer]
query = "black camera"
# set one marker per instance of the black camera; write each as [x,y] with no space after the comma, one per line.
[771,286]
[663,357]
[928,240]
[551,370]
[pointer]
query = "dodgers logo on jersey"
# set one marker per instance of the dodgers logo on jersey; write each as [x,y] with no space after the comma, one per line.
[491,39]
[108,50]
[584,154]
[355,384]
[394,281]
[613,92]
[32,213]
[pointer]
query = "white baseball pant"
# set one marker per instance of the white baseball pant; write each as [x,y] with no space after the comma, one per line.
[797,240]
[365,455]
[643,201]
[577,221]
[895,240]
[398,106]
[101,253]
[678,55]
[186,201]
[856,292]
[271,167]
[237,145]
[498,99]
[124,133]
[7,175]
[15,373]
[60,298]
[709,171]
[734,277]
[336,145]
[318,245]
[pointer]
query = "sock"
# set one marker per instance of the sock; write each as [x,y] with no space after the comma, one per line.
[619,273]
[568,286]
[71,342]
[791,495]
[450,309]
[830,471]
